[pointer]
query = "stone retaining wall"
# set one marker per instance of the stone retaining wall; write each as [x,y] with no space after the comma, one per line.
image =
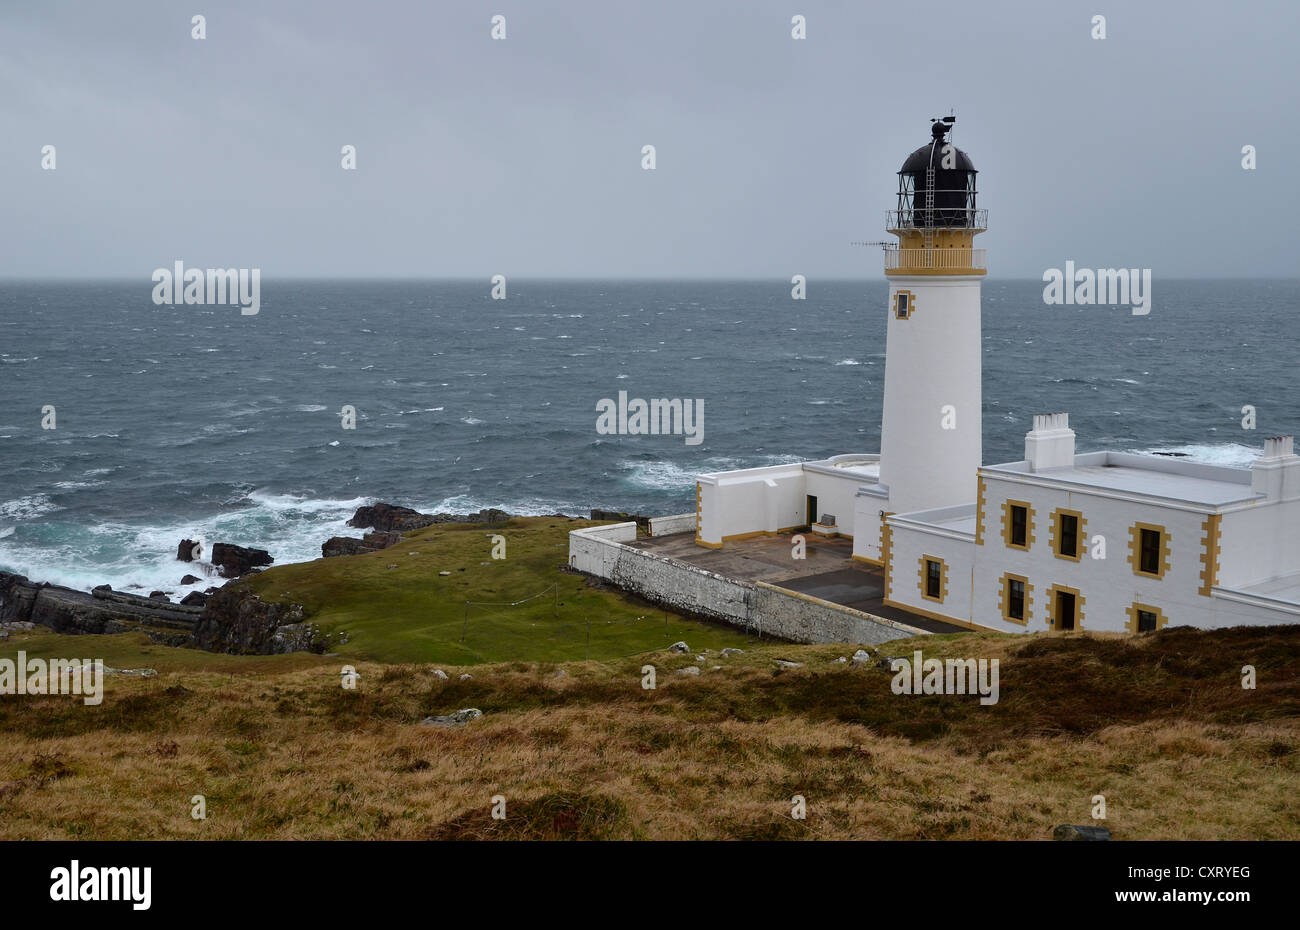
[759,607]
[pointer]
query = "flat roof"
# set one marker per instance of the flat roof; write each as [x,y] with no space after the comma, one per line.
[962,518]
[1282,588]
[1150,476]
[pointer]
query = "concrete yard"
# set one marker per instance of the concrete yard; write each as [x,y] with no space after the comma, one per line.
[828,570]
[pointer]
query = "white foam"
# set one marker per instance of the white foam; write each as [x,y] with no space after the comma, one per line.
[24,508]
[1223,453]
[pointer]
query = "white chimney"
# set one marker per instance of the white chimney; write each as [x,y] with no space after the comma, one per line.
[1050,444]
[1276,473]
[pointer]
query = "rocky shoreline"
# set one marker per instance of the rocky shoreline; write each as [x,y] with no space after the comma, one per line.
[228,619]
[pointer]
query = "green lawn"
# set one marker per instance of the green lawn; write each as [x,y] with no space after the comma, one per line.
[395,607]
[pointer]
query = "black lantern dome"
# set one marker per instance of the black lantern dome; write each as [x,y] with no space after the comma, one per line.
[936,186]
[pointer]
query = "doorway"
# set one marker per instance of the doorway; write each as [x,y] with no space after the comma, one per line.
[812,510]
[1064,610]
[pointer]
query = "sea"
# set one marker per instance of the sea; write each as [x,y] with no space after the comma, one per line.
[193,421]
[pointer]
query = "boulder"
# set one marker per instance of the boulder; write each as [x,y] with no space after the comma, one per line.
[342,545]
[191,579]
[679,647]
[159,596]
[388,517]
[382,539]
[233,561]
[185,551]
[439,674]
[786,663]
[862,657]
[459,718]
[194,599]
[1081,832]
[731,651]
[689,670]
[350,545]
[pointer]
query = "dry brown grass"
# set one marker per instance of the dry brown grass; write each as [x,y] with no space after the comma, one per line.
[1158,724]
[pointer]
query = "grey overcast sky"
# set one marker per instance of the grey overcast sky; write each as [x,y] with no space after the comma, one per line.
[523,157]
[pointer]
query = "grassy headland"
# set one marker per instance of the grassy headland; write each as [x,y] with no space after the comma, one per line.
[1158,724]
[395,606]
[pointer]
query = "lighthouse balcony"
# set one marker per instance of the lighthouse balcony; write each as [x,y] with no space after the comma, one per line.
[935,261]
[937,217]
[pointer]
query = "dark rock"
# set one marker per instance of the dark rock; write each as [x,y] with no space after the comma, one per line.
[194,599]
[104,610]
[343,545]
[233,561]
[463,716]
[236,621]
[185,551]
[350,545]
[392,519]
[619,516]
[190,579]
[159,596]
[1076,832]
[101,590]
[387,517]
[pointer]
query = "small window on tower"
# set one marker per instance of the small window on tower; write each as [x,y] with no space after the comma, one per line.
[903,306]
[1146,621]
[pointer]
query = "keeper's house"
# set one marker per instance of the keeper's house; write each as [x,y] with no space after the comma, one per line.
[1106,541]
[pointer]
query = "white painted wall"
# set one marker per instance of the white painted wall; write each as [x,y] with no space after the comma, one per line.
[933,360]
[836,494]
[752,500]
[1109,586]
[677,523]
[866,525]
[911,542]
[1259,542]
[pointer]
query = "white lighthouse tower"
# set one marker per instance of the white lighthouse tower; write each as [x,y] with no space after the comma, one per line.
[930,446]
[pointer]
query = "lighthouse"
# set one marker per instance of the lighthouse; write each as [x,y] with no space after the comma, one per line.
[930,446]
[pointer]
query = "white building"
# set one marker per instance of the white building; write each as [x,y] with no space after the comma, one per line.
[1098,541]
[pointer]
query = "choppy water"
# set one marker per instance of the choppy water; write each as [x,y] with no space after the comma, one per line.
[197,421]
